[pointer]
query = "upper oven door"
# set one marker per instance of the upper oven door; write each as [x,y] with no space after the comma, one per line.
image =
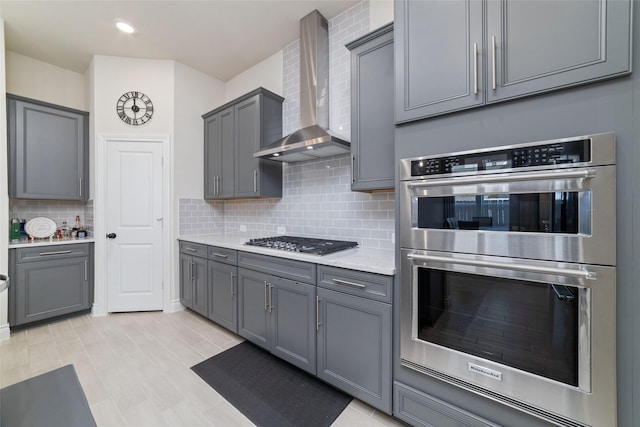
[562,215]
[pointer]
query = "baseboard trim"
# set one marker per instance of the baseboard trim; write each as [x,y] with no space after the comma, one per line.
[5,332]
[174,306]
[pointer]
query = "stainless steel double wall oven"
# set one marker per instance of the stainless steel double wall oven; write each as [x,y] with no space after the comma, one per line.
[508,274]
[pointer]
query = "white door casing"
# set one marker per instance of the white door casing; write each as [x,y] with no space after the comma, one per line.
[132,201]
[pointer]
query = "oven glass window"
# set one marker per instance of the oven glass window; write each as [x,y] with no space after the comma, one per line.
[526,325]
[556,212]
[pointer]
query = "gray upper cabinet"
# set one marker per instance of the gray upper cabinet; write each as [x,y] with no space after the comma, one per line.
[372,123]
[461,54]
[48,150]
[232,133]
[542,45]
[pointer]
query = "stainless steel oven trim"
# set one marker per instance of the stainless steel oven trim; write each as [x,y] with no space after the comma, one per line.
[592,245]
[590,403]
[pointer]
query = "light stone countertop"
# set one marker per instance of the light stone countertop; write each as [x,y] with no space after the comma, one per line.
[49,242]
[378,261]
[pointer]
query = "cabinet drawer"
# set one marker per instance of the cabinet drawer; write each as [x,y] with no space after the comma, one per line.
[287,268]
[228,256]
[367,285]
[51,252]
[194,249]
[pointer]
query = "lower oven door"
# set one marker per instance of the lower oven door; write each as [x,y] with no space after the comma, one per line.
[535,335]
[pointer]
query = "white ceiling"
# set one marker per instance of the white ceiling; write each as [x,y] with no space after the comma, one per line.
[221,38]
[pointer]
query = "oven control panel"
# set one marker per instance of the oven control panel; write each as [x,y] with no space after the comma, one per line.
[576,151]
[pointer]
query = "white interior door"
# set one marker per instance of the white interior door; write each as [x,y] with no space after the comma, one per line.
[134,225]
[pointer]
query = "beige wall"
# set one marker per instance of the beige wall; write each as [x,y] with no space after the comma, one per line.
[266,74]
[35,79]
[380,13]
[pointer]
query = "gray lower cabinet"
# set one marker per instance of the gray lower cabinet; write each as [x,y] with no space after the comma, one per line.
[48,150]
[460,54]
[277,307]
[354,334]
[222,278]
[372,121]
[232,133]
[278,315]
[193,277]
[49,281]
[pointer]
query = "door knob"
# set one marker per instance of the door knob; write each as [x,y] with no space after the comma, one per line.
[111,236]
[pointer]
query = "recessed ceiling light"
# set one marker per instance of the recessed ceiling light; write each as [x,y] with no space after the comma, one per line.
[125,27]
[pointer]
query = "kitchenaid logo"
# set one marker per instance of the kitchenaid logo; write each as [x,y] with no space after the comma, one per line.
[496,375]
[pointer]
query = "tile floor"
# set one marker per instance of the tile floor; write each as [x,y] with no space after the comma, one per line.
[135,369]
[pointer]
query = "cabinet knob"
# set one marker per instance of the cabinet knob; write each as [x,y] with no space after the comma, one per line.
[111,236]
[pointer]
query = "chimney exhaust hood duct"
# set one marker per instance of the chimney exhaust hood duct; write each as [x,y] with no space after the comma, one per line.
[314,139]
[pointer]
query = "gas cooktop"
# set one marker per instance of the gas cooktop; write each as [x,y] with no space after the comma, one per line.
[302,244]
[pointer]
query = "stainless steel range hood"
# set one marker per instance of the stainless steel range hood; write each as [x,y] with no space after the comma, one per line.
[314,139]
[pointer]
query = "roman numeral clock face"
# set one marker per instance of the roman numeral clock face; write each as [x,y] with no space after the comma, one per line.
[134,108]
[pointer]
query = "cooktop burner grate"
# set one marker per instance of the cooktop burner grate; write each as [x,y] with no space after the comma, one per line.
[302,244]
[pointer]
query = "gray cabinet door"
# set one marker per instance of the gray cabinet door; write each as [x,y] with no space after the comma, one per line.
[48,151]
[372,113]
[253,307]
[354,346]
[200,285]
[222,295]
[49,288]
[212,150]
[293,335]
[227,154]
[438,51]
[536,46]
[193,283]
[247,142]
[186,283]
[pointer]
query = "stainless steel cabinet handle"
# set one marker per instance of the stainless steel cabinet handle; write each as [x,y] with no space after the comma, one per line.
[348,283]
[317,313]
[493,61]
[475,68]
[187,248]
[353,169]
[576,174]
[582,274]
[270,297]
[80,178]
[217,181]
[85,270]
[233,289]
[190,270]
[219,255]
[54,253]
[266,295]
[255,181]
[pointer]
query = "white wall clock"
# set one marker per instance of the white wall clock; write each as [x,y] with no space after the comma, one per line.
[134,108]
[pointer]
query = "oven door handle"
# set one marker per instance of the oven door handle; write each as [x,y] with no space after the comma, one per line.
[487,179]
[582,274]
